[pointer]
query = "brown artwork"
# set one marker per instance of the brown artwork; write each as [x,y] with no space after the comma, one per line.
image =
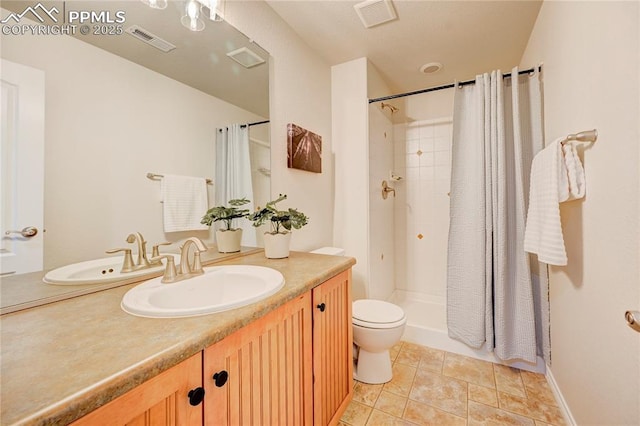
[304,149]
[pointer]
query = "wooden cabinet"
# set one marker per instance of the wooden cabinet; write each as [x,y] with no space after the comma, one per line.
[332,349]
[291,367]
[162,400]
[262,374]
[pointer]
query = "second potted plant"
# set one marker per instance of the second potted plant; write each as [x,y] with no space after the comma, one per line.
[276,242]
[228,238]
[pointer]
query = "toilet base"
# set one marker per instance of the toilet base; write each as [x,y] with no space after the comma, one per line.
[373,367]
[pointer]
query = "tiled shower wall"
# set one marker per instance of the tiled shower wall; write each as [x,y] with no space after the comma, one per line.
[422,157]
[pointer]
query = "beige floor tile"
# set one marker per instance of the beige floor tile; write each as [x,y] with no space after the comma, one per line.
[365,393]
[469,369]
[391,403]
[486,396]
[531,408]
[431,359]
[531,379]
[426,415]
[402,380]
[445,393]
[508,380]
[378,418]
[480,414]
[393,352]
[356,414]
[408,357]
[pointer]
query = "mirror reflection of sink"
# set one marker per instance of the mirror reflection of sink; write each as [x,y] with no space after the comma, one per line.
[99,271]
[220,288]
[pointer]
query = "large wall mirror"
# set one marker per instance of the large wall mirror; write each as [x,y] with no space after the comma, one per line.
[117,108]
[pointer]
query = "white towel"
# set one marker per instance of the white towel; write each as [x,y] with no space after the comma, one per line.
[572,182]
[185,202]
[556,176]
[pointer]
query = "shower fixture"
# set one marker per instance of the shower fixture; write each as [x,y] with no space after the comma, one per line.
[391,107]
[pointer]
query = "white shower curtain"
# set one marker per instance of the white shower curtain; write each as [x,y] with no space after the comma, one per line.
[494,298]
[233,173]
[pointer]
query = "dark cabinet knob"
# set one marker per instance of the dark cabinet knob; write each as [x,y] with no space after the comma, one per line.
[220,378]
[196,396]
[322,307]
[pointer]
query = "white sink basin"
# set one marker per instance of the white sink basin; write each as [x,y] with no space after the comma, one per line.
[221,288]
[99,271]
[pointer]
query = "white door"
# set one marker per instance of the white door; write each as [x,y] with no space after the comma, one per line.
[21,169]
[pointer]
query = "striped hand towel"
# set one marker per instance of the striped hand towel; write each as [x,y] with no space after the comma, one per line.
[556,176]
[185,202]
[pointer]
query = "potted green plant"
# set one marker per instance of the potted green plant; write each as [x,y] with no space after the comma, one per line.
[227,237]
[276,241]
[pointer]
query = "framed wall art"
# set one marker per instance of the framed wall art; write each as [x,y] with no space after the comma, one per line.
[304,149]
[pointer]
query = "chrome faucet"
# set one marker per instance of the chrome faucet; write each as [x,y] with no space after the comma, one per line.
[187,270]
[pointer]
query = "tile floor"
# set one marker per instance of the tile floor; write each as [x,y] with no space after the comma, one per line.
[434,387]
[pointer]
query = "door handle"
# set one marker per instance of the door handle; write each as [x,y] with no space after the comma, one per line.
[28,232]
[633,319]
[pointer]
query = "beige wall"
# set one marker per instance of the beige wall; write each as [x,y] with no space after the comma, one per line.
[108,123]
[350,131]
[381,212]
[300,93]
[590,52]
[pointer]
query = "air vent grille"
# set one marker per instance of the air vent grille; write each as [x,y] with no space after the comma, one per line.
[150,38]
[246,57]
[375,12]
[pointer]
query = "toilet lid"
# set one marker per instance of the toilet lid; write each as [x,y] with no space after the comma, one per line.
[376,312]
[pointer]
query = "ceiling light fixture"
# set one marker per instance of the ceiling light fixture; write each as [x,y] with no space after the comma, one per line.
[193,11]
[156,4]
[191,18]
[431,68]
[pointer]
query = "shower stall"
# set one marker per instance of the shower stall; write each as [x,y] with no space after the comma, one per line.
[410,150]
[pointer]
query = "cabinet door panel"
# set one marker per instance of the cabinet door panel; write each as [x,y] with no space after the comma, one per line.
[332,349]
[269,371]
[162,400]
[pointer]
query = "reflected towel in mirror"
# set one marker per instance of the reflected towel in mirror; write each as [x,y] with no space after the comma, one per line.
[184,203]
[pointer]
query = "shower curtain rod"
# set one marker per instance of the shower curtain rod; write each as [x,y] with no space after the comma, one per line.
[448,86]
[254,124]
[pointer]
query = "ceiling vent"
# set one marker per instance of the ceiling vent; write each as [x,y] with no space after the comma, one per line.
[149,38]
[245,57]
[375,12]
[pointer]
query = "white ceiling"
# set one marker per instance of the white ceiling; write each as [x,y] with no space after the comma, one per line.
[467,37]
[199,60]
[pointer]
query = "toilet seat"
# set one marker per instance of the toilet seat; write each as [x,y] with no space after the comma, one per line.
[377,314]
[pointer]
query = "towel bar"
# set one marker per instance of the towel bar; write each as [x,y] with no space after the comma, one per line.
[586,136]
[155,176]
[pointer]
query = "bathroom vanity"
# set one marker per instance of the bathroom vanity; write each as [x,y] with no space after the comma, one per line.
[283,360]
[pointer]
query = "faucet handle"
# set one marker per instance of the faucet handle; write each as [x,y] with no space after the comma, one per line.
[170,273]
[155,252]
[196,268]
[127,264]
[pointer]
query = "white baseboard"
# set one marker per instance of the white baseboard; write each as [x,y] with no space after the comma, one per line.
[562,404]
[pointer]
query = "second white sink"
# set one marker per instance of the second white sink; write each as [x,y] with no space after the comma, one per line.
[99,271]
[220,288]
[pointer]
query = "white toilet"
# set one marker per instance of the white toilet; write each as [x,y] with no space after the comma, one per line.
[377,326]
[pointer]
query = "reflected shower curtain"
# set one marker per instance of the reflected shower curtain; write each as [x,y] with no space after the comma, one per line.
[233,173]
[496,295]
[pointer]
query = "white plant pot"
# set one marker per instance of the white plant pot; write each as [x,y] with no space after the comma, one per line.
[276,246]
[229,240]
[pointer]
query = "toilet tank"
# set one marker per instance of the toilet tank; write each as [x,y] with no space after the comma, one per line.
[334,251]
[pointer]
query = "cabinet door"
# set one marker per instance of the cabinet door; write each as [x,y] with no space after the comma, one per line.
[261,375]
[162,400]
[332,349]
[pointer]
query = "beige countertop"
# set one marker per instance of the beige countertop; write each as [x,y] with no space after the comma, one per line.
[62,360]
